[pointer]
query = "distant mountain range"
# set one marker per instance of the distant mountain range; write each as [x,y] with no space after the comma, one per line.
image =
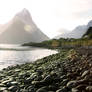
[78,32]
[21,29]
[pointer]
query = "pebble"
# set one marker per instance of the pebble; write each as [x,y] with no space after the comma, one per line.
[51,74]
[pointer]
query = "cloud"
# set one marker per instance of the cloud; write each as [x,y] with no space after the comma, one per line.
[84,14]
[70,9]
[80,5]
[49,15]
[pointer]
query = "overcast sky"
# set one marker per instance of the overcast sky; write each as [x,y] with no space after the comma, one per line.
[49,15]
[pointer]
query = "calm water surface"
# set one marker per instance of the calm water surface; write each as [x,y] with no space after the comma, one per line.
[21,55]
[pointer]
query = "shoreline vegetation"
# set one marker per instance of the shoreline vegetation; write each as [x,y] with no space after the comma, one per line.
[63,43]
[84,42]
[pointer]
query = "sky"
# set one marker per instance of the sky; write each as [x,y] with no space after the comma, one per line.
[51,16]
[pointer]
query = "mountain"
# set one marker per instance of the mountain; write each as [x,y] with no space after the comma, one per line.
[88,34]
[89,24]
[62,32]
[63,35]
[21,29]
[78,32]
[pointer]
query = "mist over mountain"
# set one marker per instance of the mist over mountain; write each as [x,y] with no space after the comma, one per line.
[21,29]
[63,33]
[78,32]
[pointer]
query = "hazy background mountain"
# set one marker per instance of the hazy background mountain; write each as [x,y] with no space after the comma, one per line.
[21,29]
[78,32]
[62,33]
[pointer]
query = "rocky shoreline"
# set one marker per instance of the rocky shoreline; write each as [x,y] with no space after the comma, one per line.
[67,71]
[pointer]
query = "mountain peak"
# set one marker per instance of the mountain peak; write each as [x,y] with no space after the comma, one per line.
[24,15]
[21,29]
[25,9]
[25,12]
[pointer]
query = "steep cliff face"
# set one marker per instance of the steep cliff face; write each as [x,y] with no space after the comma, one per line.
[21,29]
[88,34]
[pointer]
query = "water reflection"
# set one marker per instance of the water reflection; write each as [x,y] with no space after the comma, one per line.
[11,57]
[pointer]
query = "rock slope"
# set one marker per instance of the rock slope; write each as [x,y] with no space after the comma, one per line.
[88,34]
[67,71]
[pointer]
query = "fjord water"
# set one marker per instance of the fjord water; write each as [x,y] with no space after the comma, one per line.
[11,55]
